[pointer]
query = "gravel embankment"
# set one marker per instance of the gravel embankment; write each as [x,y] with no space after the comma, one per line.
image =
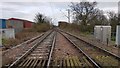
[96,42]
[64,48]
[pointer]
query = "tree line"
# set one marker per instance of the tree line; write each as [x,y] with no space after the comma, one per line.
[42,23]
[87,15]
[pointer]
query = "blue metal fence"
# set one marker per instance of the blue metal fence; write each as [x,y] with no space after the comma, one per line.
[2,23]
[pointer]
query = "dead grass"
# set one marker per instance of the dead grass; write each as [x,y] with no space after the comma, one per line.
[26,34]
[20,37]
[10,42]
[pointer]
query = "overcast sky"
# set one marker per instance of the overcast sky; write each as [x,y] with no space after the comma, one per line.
[54,10]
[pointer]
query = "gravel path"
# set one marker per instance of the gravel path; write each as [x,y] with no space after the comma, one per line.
[63,48]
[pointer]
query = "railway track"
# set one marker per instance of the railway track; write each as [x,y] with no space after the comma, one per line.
[67,55]
[101,57]
[41,55]
[16,52]
[38,55]
[59,49]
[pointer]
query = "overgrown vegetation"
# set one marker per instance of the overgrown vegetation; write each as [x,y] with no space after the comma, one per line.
[87,15]
[41,27]
[42,24]
[26,34]
[9,42]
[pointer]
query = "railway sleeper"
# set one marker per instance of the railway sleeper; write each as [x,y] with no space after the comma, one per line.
[32,63]
[69,62]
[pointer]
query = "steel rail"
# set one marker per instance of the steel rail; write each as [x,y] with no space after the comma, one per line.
[96,65]
[104,50]
[32,39]
[28,52]
[52,48]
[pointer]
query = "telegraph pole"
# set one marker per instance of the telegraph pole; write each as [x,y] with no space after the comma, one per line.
[68,15]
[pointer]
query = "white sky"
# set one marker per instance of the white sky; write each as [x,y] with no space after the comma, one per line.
[28,9]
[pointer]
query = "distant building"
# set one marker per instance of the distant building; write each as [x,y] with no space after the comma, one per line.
[18,24]
[27,24]
[4,32]
[62,24]
[3,23]
[9,27]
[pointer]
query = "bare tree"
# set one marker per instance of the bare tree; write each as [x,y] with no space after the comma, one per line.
[40,18]
[113,19]
[42,23]
[87,15]
[85,11]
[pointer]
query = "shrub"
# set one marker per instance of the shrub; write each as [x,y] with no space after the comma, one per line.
[9,42]
[41,27]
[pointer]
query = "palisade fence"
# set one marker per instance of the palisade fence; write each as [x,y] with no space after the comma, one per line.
[0,38]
